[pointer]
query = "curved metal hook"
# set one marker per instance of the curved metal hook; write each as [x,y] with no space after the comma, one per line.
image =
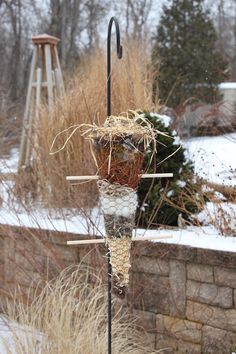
[119,55]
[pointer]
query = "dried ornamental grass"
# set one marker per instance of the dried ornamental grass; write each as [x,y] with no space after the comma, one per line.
[70,317]
[85,102]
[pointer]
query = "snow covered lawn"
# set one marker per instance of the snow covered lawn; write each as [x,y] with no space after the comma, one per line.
[214,158]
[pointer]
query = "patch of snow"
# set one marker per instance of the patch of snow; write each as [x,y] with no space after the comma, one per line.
[82,223]
[227,85]
[200,237]
[214,158]
[11,331]
[9,165]
[181,184]
[166,120]
[219,195]
[170,193]
[67,220]
[177,140]
[221,214]
[91,223]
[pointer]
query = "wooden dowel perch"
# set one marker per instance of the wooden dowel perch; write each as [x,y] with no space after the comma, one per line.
[95,177]
[102,240]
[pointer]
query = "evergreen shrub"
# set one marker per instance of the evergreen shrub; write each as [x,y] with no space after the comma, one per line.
[161,200]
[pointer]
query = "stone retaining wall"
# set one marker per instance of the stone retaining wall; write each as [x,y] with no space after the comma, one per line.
[185,297]
[28,256]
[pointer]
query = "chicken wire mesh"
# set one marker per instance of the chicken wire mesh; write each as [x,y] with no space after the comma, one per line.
[118,203]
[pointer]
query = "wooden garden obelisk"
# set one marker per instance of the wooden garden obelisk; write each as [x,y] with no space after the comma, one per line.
[45,80]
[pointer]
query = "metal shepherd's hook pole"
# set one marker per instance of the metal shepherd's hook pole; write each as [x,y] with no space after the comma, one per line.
[119,55]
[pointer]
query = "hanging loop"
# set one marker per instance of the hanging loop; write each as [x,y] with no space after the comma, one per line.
[119,55]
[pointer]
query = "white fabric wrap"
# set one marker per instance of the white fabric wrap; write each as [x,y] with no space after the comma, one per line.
[118,200]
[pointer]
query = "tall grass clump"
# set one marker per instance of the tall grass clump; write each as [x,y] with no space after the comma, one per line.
[85,102]
[70,317]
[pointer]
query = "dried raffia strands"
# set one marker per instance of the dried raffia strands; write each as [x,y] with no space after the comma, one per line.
[115,129]
[120,144]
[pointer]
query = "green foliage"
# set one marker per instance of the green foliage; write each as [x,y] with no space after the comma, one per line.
[161,200]
[185,54]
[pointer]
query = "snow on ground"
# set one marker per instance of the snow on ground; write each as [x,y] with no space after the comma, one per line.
[227,85]
[201,237]
[10,331]
[93,224]
[10,164]
[214,157]
[213,213]
[83,223]
[6,337]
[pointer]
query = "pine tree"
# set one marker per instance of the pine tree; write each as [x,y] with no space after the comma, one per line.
[185,54]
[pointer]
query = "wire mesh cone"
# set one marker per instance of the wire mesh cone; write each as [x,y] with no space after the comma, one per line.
[118,204]
[119,146]
[120,259]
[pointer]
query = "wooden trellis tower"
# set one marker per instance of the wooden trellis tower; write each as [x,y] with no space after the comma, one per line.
[45,81]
